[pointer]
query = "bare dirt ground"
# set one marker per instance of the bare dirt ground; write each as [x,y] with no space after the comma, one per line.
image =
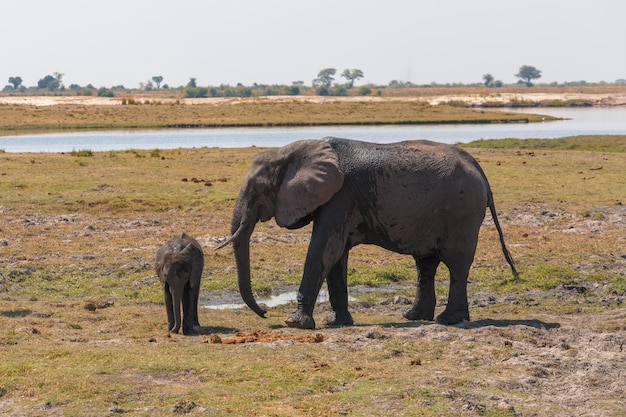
[535,362]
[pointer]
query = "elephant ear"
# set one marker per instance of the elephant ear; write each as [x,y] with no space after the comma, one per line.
[312,177]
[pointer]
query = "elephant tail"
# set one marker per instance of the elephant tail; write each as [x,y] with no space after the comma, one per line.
[507,255]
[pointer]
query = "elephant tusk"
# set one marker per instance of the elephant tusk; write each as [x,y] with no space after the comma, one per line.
[225,243]
[231,239]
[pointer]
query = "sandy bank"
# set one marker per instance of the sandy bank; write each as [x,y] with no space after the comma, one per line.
[604,99]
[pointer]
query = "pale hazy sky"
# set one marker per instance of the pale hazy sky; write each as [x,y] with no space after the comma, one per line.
[113,42]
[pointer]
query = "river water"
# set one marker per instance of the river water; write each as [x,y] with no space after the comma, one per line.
[584,121]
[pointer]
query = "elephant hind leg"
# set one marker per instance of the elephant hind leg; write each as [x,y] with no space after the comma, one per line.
[457,309]
[423,307]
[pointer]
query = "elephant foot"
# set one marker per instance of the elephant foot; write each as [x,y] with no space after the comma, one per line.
[188,331]
[418,313]
[342,319]
[453,317]
[300,320]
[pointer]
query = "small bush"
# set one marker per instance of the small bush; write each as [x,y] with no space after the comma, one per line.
[196,92]
[105,92]
[82,152]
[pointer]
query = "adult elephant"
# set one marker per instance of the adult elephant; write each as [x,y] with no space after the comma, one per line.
[179,264]
[418,198]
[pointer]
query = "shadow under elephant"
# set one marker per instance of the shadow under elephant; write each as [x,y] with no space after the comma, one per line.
[469,325]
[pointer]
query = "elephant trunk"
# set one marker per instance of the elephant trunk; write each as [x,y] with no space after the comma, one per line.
[245,217]
[241,248]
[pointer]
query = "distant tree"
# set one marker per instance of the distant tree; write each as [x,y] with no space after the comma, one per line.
[488,80]
[158,79]
[192,83]
[325,78]
[59,78]
[351,75]
[528,73]
[48,83]
[148,85]
[16,81]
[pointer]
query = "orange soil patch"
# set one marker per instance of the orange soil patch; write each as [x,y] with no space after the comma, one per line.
[266,336]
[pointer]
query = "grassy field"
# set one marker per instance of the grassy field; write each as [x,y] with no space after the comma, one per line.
[81,231]
[83,331]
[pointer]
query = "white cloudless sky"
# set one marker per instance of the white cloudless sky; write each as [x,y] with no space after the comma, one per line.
[126,42]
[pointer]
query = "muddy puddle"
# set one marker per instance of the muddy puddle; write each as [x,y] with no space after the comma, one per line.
[232,300]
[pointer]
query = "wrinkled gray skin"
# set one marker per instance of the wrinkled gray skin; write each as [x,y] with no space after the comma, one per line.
[179,265]
[419,198]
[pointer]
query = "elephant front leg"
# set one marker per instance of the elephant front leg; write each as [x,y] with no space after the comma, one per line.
[169,307]
[196,296]
[189,311]
[337,281]
[175,300]
[425,299]
[302,318]
[324,251]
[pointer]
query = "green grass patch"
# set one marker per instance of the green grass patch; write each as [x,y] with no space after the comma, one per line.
[82,153]
[594,143]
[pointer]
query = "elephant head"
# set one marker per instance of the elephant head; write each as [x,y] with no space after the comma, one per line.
[288,184]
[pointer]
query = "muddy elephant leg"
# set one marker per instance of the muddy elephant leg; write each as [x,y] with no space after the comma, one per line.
[326,248]
[188,310]
[337,282]
[457,309]
[196,295]
[169,307]
[425,299]
[307,295]
[176,295]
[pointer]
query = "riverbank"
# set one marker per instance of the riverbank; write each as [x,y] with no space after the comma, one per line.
[168,109]
[72,113]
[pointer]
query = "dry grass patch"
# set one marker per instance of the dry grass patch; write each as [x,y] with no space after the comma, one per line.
[15,118]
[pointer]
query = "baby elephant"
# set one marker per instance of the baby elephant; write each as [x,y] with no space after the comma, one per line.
[179,266]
